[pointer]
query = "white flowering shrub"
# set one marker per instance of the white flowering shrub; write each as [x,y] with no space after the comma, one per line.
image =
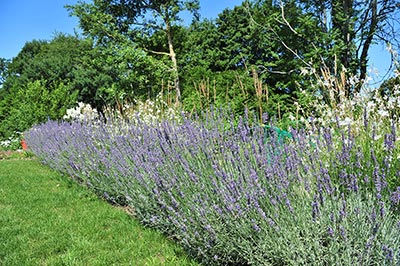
[81,112]
[5,144]
[152,112]
[12,143]
[336,108]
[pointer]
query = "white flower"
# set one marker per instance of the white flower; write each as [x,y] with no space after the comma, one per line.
[81,112]
[5,143]
[377,137]
[370,106]
[353,80]
[347,121]
[383,113]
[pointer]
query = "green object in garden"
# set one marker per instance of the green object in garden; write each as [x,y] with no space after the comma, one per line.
[281,134]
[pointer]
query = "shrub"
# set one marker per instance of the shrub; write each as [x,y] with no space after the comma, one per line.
[81,112]
[34,103]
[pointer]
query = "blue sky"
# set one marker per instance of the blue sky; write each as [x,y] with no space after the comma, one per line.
[24,20]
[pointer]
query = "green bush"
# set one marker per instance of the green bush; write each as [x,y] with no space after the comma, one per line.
[23,107]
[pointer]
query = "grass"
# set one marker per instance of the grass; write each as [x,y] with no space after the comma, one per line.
[46,219]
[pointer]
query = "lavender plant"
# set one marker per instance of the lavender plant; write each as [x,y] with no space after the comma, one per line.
[234,195]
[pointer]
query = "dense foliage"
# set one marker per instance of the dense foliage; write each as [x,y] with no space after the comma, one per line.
[241,194]
[38,83]
[263,55]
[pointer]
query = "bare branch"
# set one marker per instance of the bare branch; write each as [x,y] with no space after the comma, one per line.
[156,52]
[252,20]
[284,19]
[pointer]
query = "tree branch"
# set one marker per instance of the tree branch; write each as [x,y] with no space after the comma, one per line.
[156,52]
[284,19]
[279,38]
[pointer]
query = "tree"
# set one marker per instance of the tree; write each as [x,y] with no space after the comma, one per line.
[38,82]
[18,69]
[51,62]
[253,38]
[352,26]
[130,20]
[35,87]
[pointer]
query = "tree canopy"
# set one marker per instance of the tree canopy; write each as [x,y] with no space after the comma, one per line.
[126,22]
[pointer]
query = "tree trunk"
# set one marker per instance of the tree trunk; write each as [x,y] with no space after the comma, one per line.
[368,40]
[342,14]
[174,61]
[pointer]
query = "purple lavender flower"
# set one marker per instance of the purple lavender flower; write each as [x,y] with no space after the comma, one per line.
[332,217]
[370,241]
[255,226]
[342,211]
[330,231]
[389,141]
[388,252]
[289,205]
[191,178]
[262,213]
[327,136]
[395,197]
[353,186]
[326,180]
[315,208]
[272,223]
[342,231]
[373,216]
[382,208]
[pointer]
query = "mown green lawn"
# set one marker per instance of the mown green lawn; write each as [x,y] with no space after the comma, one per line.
[45,219]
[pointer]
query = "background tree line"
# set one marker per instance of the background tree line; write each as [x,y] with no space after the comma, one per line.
[266,55]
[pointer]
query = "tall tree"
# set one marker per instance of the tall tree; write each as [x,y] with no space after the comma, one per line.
[353,26]
[133,19]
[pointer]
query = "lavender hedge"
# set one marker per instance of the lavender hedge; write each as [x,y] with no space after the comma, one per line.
[235,193]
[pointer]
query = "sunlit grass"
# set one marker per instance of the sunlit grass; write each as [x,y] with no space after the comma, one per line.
[48,220]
